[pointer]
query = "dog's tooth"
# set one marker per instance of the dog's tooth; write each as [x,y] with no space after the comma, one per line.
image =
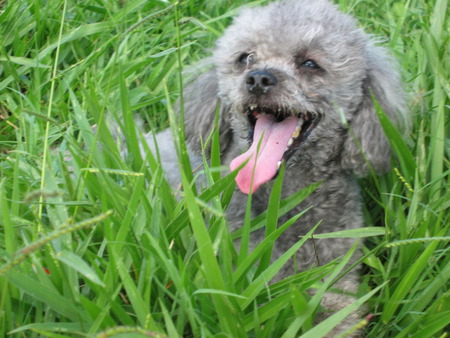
[252,107]
[279,163]
[291,140]
[296,132]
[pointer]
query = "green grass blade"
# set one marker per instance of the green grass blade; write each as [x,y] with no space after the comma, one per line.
[141,309]
[79,265]
[256,286]
[324,327]
[244,266]
[285,206]
[440,322]
[314,302]
[63,328]
[48,296]
[209,261]
[272,220]
[407,282]
[397,142]
[354,233]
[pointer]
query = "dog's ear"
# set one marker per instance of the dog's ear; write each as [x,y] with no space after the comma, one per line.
[201,101]
[366,142]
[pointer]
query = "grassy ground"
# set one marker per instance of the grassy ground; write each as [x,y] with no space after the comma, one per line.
[95,245]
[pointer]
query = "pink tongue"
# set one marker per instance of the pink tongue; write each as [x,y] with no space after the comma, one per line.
[275,137]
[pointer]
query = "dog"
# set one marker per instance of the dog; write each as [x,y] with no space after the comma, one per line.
[295,83]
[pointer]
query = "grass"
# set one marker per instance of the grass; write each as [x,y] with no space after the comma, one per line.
[95,244]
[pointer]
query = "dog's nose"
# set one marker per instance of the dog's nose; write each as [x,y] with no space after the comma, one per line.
[260,82]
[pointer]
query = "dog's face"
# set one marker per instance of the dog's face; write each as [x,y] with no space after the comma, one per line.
[287,71]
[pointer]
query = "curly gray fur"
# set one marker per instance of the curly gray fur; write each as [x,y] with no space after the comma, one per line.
[279,39]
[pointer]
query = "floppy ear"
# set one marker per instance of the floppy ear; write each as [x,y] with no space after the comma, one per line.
[201,100]
[366,141]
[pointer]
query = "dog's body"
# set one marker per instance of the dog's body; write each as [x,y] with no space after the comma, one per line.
[290,64]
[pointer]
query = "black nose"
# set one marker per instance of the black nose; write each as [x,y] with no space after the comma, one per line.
[260,82]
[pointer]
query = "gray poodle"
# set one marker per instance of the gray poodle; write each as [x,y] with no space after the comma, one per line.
[296,83]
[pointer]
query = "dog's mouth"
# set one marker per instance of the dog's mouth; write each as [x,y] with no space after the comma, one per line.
[306,122]
[275,134]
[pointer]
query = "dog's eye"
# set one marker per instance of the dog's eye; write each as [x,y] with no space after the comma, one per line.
[310,64]
[246,59]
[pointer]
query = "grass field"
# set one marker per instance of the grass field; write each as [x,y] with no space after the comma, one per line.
[92,244]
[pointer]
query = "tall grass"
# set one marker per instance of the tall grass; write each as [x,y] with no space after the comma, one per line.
[94,243]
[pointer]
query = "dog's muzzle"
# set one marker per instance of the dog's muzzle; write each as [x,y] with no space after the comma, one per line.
[276,131]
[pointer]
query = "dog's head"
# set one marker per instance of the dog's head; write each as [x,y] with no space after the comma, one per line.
[294,75]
